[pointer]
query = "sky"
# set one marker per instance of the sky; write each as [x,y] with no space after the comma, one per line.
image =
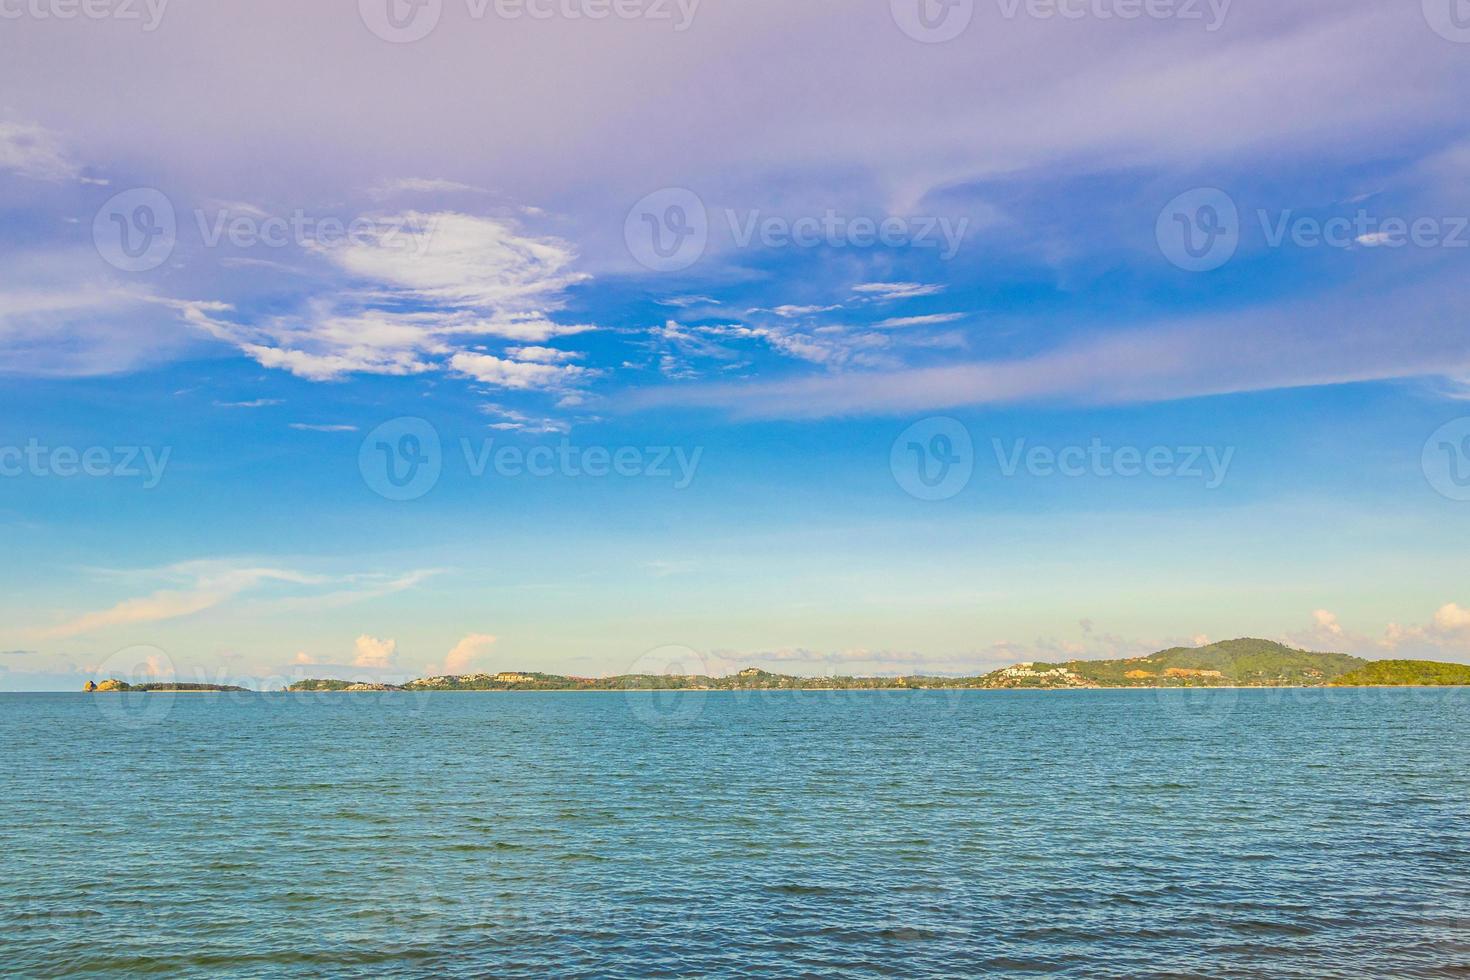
[405,337]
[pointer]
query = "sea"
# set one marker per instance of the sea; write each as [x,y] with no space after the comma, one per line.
[1183,833]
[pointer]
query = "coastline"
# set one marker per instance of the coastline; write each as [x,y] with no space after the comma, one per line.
[819,690]
[1240,664]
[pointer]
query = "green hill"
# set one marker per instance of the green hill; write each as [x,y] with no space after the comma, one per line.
[1405,673]
[1244,662]
[1229,663]
[114,686]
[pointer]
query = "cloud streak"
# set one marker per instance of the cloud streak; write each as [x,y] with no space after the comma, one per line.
[1405,333]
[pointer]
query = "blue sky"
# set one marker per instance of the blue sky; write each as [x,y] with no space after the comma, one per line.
[790,337]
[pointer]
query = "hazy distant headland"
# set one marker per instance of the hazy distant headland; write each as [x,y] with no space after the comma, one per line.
[159,687]
[1230,663]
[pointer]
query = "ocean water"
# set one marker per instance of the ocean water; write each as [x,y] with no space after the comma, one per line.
[919,834]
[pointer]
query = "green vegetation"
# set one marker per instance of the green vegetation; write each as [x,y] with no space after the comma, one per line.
[1231,663]
[320,685]
[750,679]
[1406,673]
[157,688]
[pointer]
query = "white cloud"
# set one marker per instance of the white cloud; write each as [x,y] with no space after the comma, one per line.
[524,328]
[1451,618]
[685,301]
[543,355]
[1327,622]
[832,346]
[466,653]
[1378,334]
[425,285]
[357,588]
[59,318]
[421,185]
[929,320]
[324,346]
[514,421]
[790,312]
[254,403]
[518,375]
[211,585]
[1446,635]
[375,653]
[197,586]
[35,152]
[461,261]
[314,427]
[896,290]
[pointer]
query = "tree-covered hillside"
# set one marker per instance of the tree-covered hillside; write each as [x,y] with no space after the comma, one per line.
[1406,673]
[1247,662]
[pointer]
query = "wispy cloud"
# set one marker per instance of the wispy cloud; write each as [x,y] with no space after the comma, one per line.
[512,420]
[928,320]
[198,586]
[1377,335]
[34,152]
[210,586]
[253,403]
[59,317]
[790,312]
[421,185]
[499,372]
[543,355]
[896,290]
[424,287]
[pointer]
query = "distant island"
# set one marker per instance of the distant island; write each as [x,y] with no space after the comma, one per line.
[163,687]
[1230,663]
